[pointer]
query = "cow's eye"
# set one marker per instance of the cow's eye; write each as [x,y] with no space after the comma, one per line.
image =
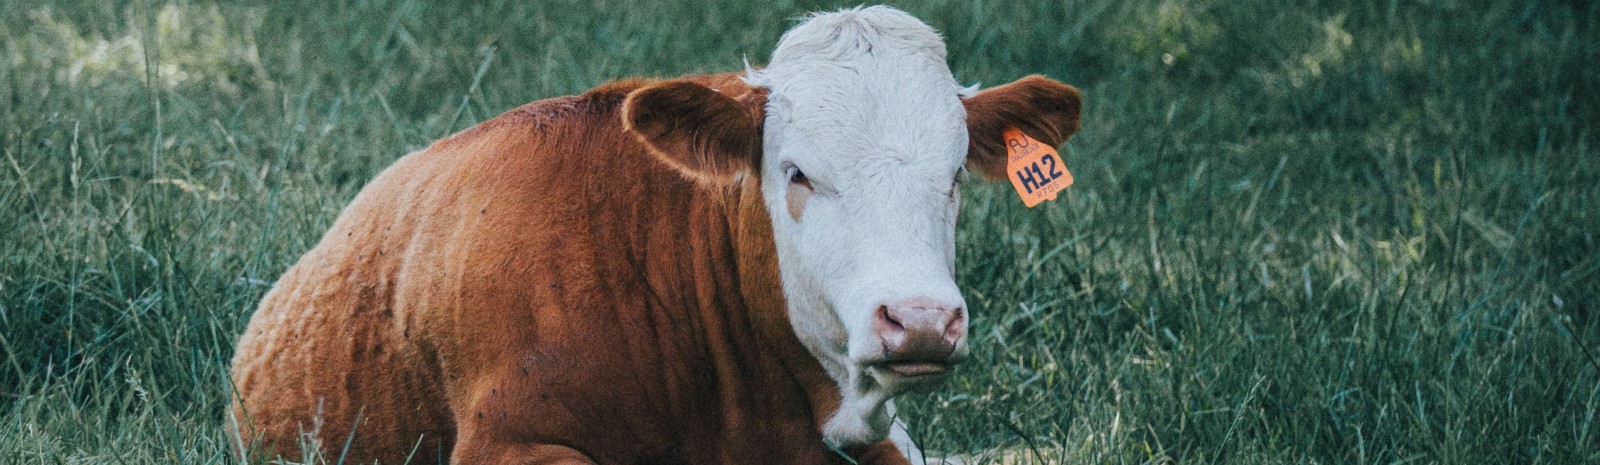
[797,177]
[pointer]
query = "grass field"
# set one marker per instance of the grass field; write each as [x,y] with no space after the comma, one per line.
[1349,232]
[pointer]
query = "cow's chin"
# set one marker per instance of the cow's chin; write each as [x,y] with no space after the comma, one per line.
[864,415]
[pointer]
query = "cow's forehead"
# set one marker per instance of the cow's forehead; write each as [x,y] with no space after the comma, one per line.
[874,112]
[865,88]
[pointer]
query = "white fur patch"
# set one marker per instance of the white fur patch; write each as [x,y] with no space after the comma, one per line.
[862,102]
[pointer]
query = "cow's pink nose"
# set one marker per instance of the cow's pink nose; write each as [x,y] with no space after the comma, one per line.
[920,335]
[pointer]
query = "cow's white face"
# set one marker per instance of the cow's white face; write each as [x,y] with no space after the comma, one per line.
[859,154]
[863,144]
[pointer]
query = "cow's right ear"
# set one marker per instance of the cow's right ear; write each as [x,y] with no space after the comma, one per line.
[702,133]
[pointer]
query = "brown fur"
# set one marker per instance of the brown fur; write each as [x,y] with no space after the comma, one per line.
[542,288]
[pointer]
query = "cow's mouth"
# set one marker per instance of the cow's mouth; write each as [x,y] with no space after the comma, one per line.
[912,369]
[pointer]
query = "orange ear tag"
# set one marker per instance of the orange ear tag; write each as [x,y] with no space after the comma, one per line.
[1035,169]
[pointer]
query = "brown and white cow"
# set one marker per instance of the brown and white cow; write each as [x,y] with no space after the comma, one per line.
[732,268]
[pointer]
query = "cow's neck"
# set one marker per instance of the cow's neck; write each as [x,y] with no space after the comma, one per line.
[761,342]
[757,259]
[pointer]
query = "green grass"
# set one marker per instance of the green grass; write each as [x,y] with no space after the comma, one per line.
[1346,232]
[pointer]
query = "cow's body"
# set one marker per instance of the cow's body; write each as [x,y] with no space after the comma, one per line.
[525,277]
[604,279]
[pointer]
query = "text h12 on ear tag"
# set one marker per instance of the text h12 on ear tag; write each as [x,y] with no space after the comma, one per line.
[1035,169]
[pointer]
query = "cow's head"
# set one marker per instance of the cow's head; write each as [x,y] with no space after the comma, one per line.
[859,157]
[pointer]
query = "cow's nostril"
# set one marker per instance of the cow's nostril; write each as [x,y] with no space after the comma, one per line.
[955,328]
[891,332]
[886,316]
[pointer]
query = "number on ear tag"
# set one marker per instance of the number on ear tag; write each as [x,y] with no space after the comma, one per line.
[1035,169]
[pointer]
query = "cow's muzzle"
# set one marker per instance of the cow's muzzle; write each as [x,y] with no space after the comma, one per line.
[920,336]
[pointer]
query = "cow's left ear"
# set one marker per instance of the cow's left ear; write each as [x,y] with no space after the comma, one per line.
[702,133]
[1042,108]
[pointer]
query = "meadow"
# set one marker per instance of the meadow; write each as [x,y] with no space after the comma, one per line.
[1343,232]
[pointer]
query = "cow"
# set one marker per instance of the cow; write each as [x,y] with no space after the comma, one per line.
[737,268]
